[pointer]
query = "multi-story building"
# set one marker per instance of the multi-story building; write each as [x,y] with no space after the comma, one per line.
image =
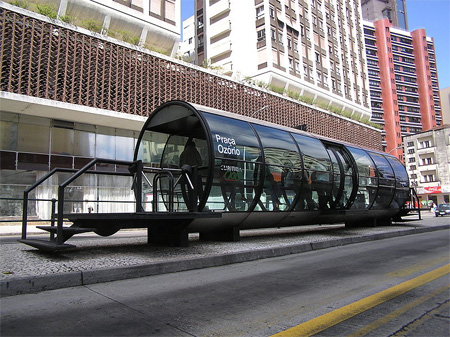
[186,50]
[427,158]
[393,10]
[445,105]
[154,24]
[403,81]
[312,48]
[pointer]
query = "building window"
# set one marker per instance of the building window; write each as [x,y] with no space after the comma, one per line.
[261,35]
[427,161]
[259,12]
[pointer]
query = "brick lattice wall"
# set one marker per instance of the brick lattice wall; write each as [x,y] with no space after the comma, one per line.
[52,61]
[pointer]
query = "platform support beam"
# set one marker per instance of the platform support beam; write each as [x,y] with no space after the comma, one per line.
[229,235]
[174,236]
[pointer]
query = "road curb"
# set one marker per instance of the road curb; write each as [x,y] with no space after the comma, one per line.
[34,284]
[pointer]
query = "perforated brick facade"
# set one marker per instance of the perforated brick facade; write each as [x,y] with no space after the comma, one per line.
[47,60]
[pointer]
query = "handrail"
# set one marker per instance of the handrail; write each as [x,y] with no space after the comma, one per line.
[157,178]
[62,186]
[68,170]
[29,189]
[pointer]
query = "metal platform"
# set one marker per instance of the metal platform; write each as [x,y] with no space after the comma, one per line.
[163,227]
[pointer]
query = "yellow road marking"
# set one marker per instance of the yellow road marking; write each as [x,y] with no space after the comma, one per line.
[325,321]
[376,324]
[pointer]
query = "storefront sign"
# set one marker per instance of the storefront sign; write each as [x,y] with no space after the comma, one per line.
[433,189]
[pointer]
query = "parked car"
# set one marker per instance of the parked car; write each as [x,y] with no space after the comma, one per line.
[442,209]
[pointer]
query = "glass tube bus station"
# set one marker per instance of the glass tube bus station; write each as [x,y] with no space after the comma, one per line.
[219,173]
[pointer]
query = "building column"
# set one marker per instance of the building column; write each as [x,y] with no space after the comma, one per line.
[388,88]
[420,51]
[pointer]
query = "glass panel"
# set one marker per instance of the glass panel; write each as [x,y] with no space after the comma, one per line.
[385,172]
[282,179]
[347,171]
[231,137]
[237,164]
[125,143]
[336,180]
[179,151]
[33,138]
[62,141]
[368,181]
[106,144]
[401,182]
[386,181]
[316,189]
[8,136]
[84,143]
[151,148]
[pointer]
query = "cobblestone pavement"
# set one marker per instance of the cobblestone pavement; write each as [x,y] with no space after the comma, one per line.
[129,248]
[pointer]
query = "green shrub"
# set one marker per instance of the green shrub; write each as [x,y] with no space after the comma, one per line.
[276,88]
[92,25]
[20,3]
[293,94]
[306,99]
[322,105]
[67,18]
[47,10]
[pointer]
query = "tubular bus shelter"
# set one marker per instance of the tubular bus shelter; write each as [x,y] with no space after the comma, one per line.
[263,175]
[197,169]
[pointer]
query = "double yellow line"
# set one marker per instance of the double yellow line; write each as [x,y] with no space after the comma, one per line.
[326,321]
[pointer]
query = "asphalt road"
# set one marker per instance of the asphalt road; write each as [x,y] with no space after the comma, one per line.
[390,287]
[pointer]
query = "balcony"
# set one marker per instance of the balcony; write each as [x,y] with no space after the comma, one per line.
[426,150]
[220,48]
[219,28]
[428,168]
[219,8]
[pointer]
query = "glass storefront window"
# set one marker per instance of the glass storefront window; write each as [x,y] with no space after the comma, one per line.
[125,143]
[62,141]
[33,138]
[8,135]
[84,143]
[105,143]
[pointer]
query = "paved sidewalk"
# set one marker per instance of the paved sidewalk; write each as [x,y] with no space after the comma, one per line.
[127,254]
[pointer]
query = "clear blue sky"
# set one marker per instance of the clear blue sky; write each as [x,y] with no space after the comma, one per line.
[433,15]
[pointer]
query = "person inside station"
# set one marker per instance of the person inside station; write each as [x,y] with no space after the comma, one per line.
[190,155]
[190,158]
[272,188]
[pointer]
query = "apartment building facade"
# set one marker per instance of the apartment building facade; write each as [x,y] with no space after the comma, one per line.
[393,10]
[403,81]
[311,48]
[427,159]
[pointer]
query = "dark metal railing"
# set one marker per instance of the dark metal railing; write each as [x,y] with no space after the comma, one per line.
[136,170]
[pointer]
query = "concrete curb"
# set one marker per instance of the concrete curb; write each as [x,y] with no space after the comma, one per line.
[34,284]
